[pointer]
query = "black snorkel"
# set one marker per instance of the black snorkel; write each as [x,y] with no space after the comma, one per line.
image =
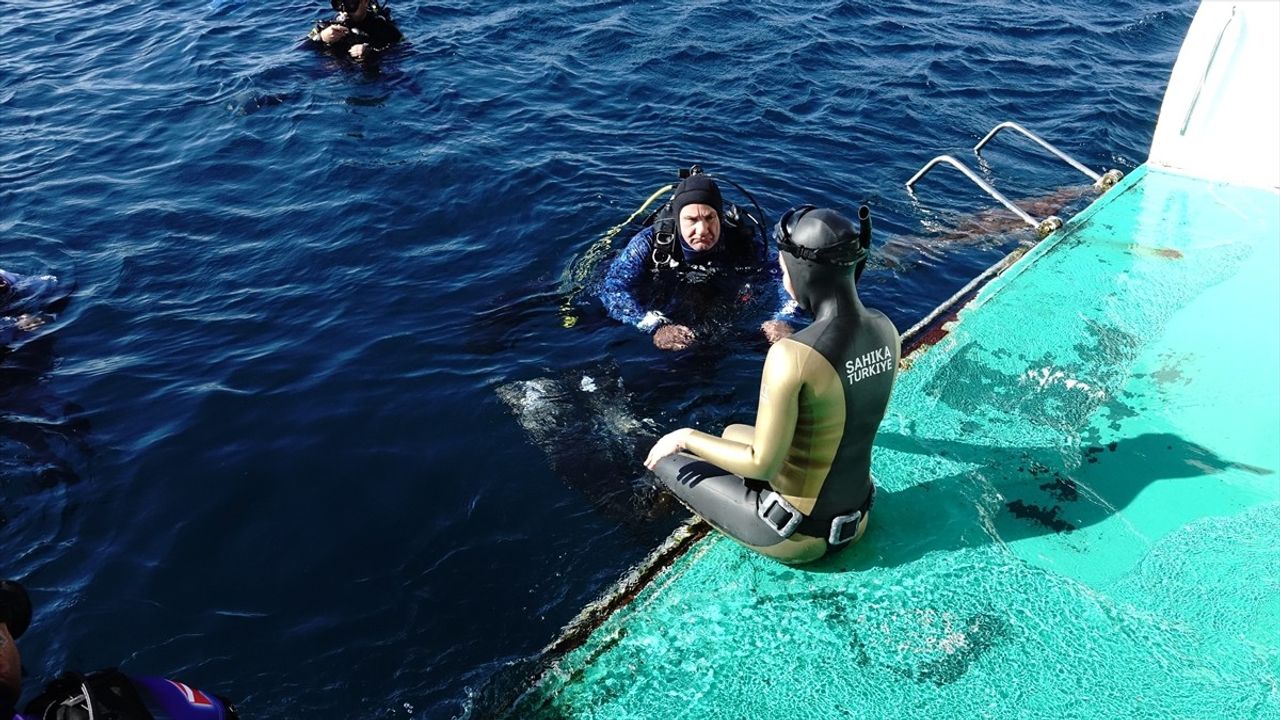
[864,239]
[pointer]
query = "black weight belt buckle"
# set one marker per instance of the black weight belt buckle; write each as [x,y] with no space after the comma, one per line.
[771,502]
[838,525]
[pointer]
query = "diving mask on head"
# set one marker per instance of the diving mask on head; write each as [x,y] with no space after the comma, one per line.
[847,252]
[345,6]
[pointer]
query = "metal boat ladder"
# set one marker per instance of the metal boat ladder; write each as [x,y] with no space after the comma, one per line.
[1043,227]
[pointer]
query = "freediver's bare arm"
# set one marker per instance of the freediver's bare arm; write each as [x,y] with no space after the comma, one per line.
[775,426]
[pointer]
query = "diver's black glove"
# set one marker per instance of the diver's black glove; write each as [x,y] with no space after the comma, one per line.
[15,607]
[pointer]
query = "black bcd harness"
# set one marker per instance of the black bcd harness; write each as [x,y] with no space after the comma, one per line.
[738,229]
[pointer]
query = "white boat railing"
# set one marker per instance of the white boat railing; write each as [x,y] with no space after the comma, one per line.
[1043,227]
[1103,182]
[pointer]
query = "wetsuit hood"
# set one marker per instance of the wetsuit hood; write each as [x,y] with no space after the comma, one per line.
[820,249]
[698,189]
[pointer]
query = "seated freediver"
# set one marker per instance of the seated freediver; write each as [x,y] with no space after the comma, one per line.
[696,251]
[361,29]
[101,694]
[797,485]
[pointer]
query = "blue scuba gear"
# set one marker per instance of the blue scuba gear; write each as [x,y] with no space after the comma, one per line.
[633,288]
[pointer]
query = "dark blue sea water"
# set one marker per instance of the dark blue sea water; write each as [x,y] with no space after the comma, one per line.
[261,449]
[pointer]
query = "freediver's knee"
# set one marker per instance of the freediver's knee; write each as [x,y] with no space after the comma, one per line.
[795,550]
[726,501]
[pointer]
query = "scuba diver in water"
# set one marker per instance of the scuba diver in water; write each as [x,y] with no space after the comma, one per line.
[20,299]
[797,485]
[696,249]
[103,694]
[361,29]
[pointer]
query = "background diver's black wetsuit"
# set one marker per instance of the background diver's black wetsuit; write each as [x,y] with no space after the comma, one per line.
[375,28]
[823,394]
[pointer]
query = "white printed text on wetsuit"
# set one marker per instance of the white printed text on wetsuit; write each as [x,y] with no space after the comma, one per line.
[872,363]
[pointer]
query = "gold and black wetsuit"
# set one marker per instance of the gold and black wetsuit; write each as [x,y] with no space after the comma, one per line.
[823,394]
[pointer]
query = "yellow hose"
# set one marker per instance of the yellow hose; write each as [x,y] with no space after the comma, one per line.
[575,277]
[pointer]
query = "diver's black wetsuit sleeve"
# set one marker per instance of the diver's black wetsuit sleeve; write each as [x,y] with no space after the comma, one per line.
[775,424]
[381,32]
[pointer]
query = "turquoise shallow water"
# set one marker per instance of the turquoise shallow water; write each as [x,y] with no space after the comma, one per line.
[1077,518]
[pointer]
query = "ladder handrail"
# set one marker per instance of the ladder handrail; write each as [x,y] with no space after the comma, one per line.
[1043,227]
[977,149]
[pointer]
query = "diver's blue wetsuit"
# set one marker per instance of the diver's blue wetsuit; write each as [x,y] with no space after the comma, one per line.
[724,269]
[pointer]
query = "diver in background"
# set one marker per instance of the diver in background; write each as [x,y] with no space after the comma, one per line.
[19,295]
[695,253]
[103,694]
[361,29]
[797,485]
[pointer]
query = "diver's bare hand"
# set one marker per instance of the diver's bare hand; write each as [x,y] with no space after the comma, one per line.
[775,330]
[358,51]
[333,33]
[673,337]
[669,444]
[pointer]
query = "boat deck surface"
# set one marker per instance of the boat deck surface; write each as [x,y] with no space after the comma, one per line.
[1077,518]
